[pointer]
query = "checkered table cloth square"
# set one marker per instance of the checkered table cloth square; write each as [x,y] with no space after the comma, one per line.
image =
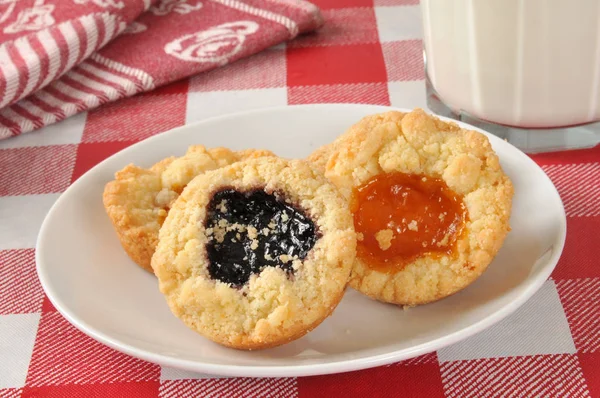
[367,52]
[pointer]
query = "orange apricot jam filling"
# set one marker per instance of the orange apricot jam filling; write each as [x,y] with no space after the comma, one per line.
[400,217]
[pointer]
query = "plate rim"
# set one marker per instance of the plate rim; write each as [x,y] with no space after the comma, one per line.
[340,366]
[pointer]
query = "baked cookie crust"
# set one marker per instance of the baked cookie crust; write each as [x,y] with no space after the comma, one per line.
[417,143]
[272,308]
[137,200]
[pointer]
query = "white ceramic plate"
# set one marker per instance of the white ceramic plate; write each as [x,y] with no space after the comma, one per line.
[94,285]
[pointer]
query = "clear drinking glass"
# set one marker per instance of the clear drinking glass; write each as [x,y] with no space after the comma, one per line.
[525,70]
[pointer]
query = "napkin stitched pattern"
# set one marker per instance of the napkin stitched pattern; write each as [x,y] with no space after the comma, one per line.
[43,39]
[172,40]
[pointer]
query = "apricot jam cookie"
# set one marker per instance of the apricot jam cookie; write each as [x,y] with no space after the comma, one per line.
[430,202]
[256,254]
[319,157]
[138,200]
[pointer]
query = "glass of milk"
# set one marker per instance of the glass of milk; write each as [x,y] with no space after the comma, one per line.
[526,70]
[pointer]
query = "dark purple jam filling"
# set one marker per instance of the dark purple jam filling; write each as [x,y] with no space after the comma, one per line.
[249,231]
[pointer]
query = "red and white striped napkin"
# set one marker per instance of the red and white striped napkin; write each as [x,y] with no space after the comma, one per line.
[61,57]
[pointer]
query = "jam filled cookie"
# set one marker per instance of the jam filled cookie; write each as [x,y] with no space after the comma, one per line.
[256,254]
[431,205]
[319,157]
[138,200]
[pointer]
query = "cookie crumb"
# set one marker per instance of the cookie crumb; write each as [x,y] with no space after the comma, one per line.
[384,238]
[296,264]
[444,241]
[360,236]
[413,225]
[219,234]
[223,206]
[238,227]
[252,232]
[284,217]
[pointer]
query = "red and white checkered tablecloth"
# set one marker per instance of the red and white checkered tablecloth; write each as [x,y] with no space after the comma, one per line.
[369,51]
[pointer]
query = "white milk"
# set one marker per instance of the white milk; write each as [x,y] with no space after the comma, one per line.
[527,63]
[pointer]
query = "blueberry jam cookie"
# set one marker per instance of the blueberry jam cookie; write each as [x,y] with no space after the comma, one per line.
[138,200]
[256,254]
[430,203]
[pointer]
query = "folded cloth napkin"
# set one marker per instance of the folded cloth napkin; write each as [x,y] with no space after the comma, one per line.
[55,60]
